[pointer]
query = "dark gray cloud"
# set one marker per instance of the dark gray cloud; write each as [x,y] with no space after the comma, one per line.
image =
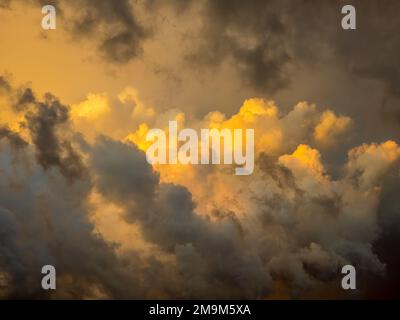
[13,137]
[267,41]
[4,84]
[264,39]
[252,34]
[24,97]
[113,23]
[52,150]
[125,168]
[48,123]
[389,216]
[45,220]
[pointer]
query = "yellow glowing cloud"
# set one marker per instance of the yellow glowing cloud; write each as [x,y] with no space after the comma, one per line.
[258,114]
[330,126]
[304,158]
[275,135]
[139,137]
[308,170]
[94,107]
[98,114]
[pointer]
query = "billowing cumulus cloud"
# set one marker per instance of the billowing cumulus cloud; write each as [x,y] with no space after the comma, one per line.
[285,230]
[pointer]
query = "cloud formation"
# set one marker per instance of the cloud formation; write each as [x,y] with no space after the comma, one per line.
[285,230]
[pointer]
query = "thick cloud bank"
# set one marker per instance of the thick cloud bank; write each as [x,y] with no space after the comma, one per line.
[284,231]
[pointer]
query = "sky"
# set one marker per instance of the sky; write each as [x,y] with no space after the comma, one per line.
[77,192]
